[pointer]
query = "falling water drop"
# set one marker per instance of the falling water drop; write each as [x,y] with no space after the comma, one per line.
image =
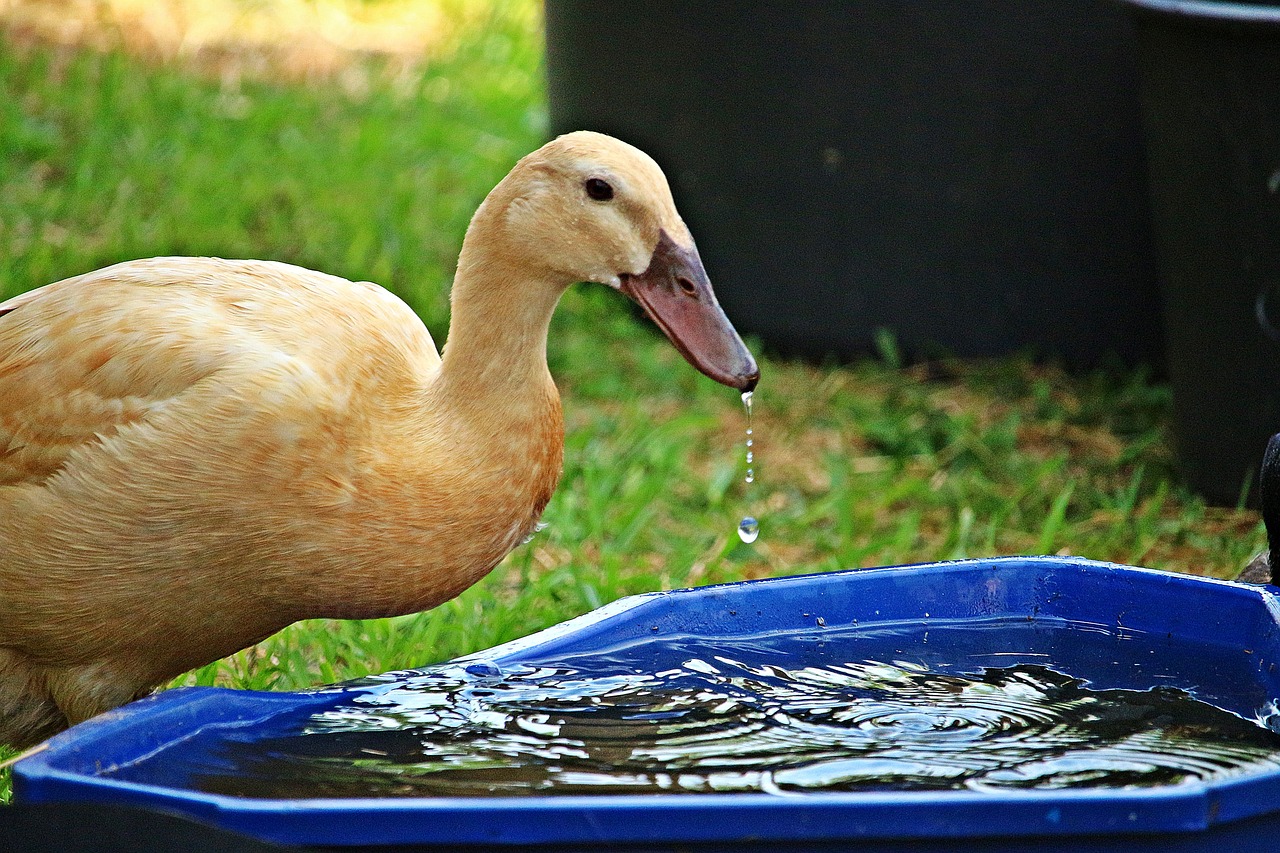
[749,528]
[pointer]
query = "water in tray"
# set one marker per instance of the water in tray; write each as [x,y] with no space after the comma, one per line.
[743,717]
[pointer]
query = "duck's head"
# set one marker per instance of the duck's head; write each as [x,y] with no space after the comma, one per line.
[587,207]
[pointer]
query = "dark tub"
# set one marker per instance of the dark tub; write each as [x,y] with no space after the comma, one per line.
[969,175]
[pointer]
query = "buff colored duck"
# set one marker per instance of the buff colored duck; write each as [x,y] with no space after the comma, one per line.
[195,453]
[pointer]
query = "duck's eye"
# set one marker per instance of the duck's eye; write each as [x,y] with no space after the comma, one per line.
[598,189]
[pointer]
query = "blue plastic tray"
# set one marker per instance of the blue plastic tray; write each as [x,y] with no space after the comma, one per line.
[1218,639]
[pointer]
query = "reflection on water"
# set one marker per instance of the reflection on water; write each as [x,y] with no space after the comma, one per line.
[716,724]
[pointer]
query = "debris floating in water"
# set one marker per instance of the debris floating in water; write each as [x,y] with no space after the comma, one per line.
[748,529]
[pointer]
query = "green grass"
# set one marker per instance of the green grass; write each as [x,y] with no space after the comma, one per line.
[108,157]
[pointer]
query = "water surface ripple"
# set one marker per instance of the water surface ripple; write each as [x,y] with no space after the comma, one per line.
[716,724]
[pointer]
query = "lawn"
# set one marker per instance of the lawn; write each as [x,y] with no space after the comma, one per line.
[371,168]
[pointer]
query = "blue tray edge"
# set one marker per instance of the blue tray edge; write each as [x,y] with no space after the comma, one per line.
[729,817]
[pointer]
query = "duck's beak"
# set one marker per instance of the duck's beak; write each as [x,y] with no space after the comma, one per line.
[675,293]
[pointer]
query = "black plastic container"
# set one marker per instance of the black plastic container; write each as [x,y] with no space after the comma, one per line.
[1210,83]
[968,175]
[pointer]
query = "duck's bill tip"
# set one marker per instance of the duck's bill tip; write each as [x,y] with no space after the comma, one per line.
[743,376]
[675,293]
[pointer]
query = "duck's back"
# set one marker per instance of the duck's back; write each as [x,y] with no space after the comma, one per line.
[155,415]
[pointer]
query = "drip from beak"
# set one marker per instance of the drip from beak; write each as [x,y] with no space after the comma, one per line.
[675,293]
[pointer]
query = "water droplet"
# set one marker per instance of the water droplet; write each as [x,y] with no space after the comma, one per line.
[483,669]
[749,528]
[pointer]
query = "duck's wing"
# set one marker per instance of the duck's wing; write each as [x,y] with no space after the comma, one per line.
[85,358]
[80,360]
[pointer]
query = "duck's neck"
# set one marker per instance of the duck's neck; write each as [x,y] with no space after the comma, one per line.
[496,350]
[477,451]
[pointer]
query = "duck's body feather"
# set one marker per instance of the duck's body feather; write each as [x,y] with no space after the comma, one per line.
[84,358]
[166,443]
[197,452]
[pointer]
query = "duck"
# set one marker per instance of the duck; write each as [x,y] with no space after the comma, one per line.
[197,452]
